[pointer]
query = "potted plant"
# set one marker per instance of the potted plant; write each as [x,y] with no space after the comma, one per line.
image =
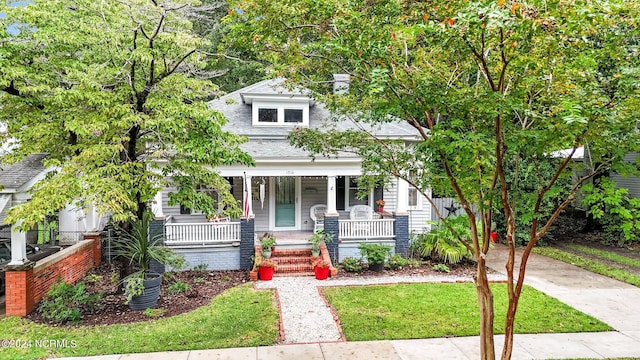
[139,247]
[266,268]
[268,241]
[380,203]
[376,255]
[318,238]
[321,268]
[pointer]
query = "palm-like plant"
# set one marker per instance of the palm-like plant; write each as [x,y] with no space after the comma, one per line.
[442,244]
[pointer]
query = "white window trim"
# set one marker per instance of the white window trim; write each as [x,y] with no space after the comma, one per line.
[418,205]
[280,107]
[347,189]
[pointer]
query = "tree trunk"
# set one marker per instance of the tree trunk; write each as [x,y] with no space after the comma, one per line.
[485,304]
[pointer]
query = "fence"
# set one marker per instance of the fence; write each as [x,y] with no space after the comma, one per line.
[377,229]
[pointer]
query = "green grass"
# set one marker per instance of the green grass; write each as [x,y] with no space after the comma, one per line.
[588,264]
[405,311]
[607,255]
[238,317]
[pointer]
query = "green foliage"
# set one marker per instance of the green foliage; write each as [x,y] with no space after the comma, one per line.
[201,267]
[177,288]
[93,278]
[140,247]
[267,240]
[138,72]
[375,253]
[64,302]
[199,280]
[395,262]
[440,268]
[154,313]
[442,243]
[318,238]
[607,255]
[527,177]
[350,264]
[616,211]
[133,286]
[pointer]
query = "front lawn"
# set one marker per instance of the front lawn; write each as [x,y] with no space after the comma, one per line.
[239,317]
[409,311]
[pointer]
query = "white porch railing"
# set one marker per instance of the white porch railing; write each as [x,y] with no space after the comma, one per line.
[190,234]
[376,229]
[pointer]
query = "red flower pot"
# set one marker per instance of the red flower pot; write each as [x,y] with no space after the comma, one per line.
[265,273]
[322,272]
[494,236]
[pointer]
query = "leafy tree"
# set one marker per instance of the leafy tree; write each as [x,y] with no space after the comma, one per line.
[483,83]
[111,91]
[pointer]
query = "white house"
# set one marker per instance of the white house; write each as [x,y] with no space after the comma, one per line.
[286,182]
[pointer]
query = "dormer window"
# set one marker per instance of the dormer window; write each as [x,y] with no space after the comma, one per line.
[275,107]
[279,114]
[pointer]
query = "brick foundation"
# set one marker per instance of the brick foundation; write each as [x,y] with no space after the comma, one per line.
[27,285]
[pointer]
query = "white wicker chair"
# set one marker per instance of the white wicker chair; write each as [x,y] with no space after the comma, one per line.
[316,213]
[361,212]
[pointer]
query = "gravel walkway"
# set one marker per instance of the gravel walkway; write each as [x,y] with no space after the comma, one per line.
[305,316]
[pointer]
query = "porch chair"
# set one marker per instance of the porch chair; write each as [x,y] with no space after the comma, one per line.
[316,213]
[361,212]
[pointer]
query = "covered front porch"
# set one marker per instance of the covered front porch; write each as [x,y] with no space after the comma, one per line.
[280,202]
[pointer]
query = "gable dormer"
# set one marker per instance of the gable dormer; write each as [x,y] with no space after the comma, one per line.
[277,106]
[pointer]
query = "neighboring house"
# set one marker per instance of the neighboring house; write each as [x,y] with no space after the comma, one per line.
[15,182]
[286,182]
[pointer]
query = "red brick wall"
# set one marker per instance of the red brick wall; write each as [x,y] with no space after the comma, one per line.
[25,288]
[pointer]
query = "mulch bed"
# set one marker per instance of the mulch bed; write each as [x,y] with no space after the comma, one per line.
[203,286]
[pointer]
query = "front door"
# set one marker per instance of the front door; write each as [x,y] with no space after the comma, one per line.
[285,202]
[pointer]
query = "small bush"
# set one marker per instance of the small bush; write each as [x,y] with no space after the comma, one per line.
[177,288]
[201,267]
[64,302]
[93,278]
[396,262]
[199,280]
[350,264]
[442,244]
[441,268]
[375,253]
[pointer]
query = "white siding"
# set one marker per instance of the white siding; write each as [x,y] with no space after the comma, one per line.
[417,217]
[631,183]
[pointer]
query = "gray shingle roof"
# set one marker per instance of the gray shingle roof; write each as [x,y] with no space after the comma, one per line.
[239,121]
[16,175]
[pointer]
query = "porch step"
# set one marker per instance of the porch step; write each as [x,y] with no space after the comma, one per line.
[293,262]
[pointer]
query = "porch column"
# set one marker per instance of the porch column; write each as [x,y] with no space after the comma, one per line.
[331,195]
[156,207]
[402,199]
[332,228]
[247,242]
[401,217]
[247,197]
[18,246]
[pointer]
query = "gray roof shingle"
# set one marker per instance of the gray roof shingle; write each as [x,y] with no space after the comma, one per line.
[16,175]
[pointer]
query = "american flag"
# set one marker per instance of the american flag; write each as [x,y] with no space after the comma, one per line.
[246,205]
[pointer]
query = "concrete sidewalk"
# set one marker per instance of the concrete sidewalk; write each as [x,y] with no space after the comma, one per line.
[611,301]
[545,346]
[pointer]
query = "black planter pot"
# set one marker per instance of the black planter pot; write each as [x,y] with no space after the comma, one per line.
[149,297]
[378,267]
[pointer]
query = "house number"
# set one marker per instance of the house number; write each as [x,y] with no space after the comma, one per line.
[289,172]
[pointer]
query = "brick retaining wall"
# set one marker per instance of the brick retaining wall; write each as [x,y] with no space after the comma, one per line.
[27,285]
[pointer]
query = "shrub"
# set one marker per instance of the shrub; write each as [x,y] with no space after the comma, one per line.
[396,261]
[442,244]
[64,302]
[177,288]
[93,278]
[350,264]
[441,268]
[201,267]
[375,253]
